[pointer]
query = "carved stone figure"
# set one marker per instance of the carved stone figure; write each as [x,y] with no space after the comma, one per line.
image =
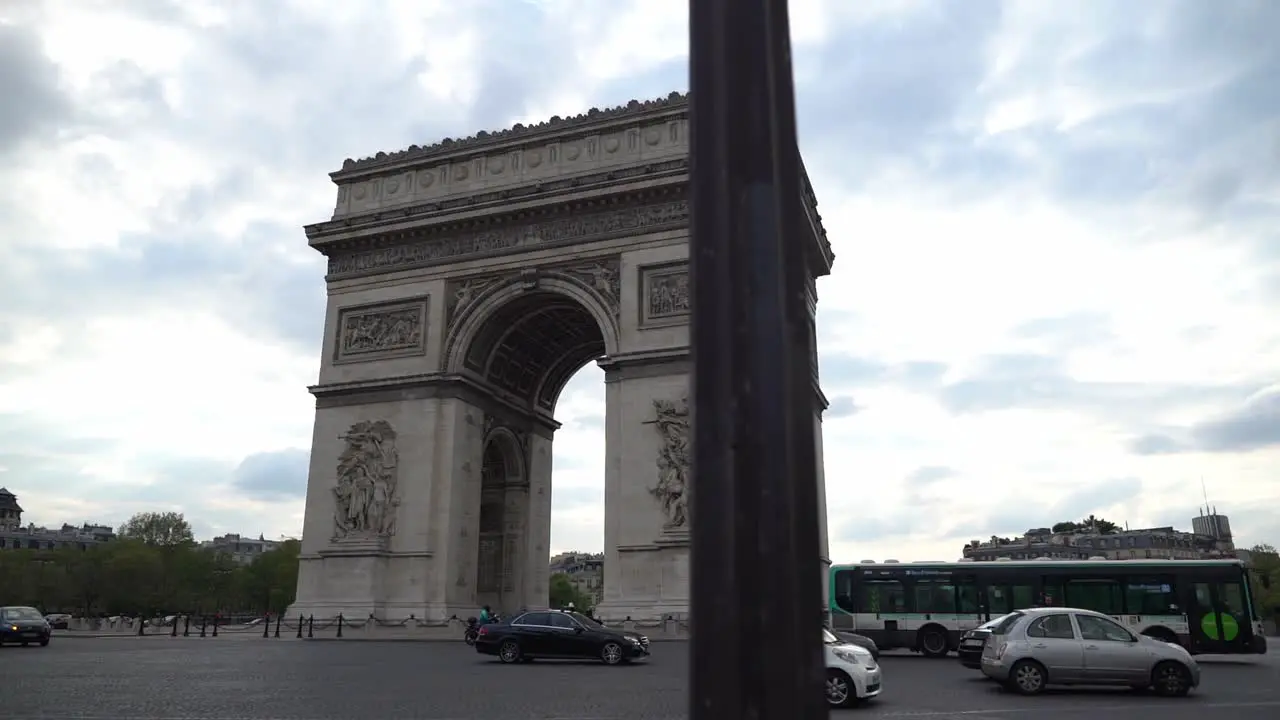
[672,488]
[366,495]
[464,294]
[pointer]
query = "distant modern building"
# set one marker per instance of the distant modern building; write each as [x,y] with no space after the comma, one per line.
[15,536]
[1210,523]
[241,550]
[585,571]
[1147,543]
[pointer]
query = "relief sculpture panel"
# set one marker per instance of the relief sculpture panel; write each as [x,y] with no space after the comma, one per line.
[672,488]
[366,496]
[665,291]
[377,332]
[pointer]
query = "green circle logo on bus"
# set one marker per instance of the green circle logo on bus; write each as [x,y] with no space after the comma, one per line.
[1230,628]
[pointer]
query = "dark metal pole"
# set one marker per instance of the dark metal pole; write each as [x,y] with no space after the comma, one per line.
[755,573]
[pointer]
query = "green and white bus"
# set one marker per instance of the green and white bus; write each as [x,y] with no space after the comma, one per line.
[1204,605]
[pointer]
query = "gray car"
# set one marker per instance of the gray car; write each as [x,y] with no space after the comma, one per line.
[1067,646]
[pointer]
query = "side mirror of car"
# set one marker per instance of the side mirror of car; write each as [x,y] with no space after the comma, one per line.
[579,629]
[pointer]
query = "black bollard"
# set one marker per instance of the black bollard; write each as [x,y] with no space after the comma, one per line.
[266,625]
[186,626]
[142,627]
[279,617]
[311,625]
[339,624]
[174,631]
[204,623]
[216,618]
[299,627]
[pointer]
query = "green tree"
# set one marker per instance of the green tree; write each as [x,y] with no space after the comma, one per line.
[158,528]
[563,591]
[1265,565]
[271,581]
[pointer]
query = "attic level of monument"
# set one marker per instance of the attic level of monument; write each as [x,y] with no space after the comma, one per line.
[674,103]
[604,173]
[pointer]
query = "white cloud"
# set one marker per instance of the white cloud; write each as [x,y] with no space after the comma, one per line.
[1054,229]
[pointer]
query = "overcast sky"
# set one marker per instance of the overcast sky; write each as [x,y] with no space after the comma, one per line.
[1057,228]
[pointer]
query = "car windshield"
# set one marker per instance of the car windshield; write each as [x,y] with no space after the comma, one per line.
[22,613]
[990,624]
[829,638]
[1005,624]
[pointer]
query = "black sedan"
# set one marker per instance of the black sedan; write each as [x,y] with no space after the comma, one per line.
[559,635]
[23,625]
[972,642]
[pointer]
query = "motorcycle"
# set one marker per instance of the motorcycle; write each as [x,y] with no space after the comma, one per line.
[473,629]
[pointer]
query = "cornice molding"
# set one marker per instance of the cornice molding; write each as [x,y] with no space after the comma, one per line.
[485,141]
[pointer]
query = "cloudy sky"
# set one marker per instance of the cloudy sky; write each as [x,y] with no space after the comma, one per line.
[1056,291]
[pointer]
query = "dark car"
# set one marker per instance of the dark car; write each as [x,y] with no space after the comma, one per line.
[24,625]
[561,635]
[861,641]
[972,642]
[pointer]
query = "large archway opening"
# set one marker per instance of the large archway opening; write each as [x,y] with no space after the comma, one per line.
[537,351]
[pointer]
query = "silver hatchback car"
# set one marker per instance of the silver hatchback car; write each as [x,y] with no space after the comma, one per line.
[1044,646]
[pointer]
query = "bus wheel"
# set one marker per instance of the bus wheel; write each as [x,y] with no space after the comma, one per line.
[932,641]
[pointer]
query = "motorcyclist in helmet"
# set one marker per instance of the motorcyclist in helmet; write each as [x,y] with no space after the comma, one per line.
[486,615]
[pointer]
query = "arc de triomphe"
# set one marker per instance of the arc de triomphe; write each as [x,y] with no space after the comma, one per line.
[468,281]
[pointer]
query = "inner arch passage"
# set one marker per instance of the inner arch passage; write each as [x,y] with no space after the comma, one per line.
[534,344]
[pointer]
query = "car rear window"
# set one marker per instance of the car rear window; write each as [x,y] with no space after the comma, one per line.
[1006,623]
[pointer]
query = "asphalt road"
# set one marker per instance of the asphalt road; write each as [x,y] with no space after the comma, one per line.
[245,679]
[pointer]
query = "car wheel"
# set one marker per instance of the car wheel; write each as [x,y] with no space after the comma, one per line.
[611,653]
[840,690]
[1027,677]
[44,642]
[509,651]
[1171,679]
[933,642]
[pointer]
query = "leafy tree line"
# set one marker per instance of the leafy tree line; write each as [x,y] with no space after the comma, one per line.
[1266,564]
[153,568]
[564,591]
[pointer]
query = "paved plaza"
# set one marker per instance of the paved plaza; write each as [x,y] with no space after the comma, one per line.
[244,679]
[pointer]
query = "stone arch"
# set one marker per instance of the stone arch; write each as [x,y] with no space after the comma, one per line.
[503,482]
[529,335]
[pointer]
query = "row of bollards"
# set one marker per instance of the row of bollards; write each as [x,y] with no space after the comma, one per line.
[186,626]
[207,629]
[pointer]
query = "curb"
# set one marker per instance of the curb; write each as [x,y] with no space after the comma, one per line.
[438,640]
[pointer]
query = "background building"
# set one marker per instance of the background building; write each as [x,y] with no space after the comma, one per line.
[1205,542]
[584,570]
[14,536]
[240,549]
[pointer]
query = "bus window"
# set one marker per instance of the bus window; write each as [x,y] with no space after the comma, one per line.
[966,596]
[1104,596]
[1233,601]
[1150,595]
[845,591]
[1024,596]
[881,596]
[935,597]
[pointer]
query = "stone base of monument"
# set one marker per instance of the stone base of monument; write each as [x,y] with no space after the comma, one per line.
[654,579]
[349,575]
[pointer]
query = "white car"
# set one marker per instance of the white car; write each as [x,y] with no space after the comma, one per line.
[853,675]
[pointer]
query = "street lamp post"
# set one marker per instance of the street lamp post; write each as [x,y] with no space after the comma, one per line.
[756,578]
